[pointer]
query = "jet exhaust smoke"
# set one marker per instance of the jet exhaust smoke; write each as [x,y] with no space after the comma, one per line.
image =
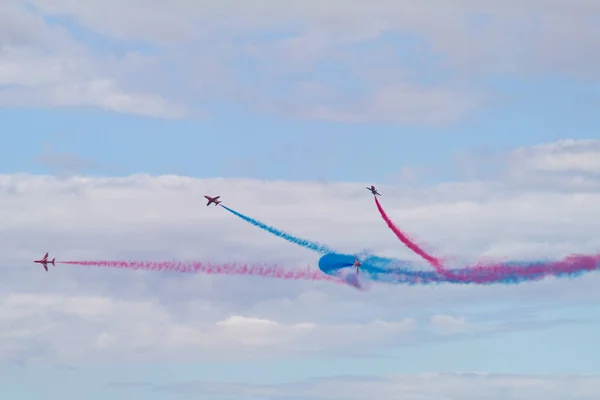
[256,269]
[433,261]
[333,266]
[307,244]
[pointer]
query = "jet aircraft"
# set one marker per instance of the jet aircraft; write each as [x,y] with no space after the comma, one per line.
[214,200]
[44,261]
[373,190]
[356,263]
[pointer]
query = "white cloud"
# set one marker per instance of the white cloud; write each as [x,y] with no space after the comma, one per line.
[88,328]
[43,66]
[509,36]
[201,47]
[449,323]
[565,165]
[466,386]
[563,156]
[394,103]
[73,313]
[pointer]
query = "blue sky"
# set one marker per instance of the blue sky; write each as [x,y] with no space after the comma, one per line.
[271,103]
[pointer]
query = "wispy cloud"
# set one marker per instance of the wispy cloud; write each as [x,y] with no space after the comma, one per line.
[433,386]
[402,63]
[67,162]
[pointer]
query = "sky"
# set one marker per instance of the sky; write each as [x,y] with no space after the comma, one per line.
[477,123]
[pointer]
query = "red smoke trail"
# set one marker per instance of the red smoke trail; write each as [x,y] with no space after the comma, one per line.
[490,273]
[483,273]
[210,268]
[435,262]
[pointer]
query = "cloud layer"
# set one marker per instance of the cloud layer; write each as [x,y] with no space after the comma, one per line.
[433,386]
[78,313]
[164,60]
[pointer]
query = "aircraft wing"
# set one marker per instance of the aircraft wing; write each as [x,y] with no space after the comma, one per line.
[45,257]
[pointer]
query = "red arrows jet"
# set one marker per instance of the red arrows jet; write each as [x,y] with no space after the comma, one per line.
[356,263]
[212,200]
[373,190]
[44,261]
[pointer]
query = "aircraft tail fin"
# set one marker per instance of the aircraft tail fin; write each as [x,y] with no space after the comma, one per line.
[53,261]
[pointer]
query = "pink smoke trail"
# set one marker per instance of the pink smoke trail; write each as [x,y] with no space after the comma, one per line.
[483,273]
[490,273]
[216,269]
[435,262]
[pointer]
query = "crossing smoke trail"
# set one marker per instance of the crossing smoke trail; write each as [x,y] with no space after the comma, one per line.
[486,273]
[320,248]
[271,271]
[393,271]
[402,272]
[378,269]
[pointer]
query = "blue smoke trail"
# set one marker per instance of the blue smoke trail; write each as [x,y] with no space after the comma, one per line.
[393,271]
[314,246]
